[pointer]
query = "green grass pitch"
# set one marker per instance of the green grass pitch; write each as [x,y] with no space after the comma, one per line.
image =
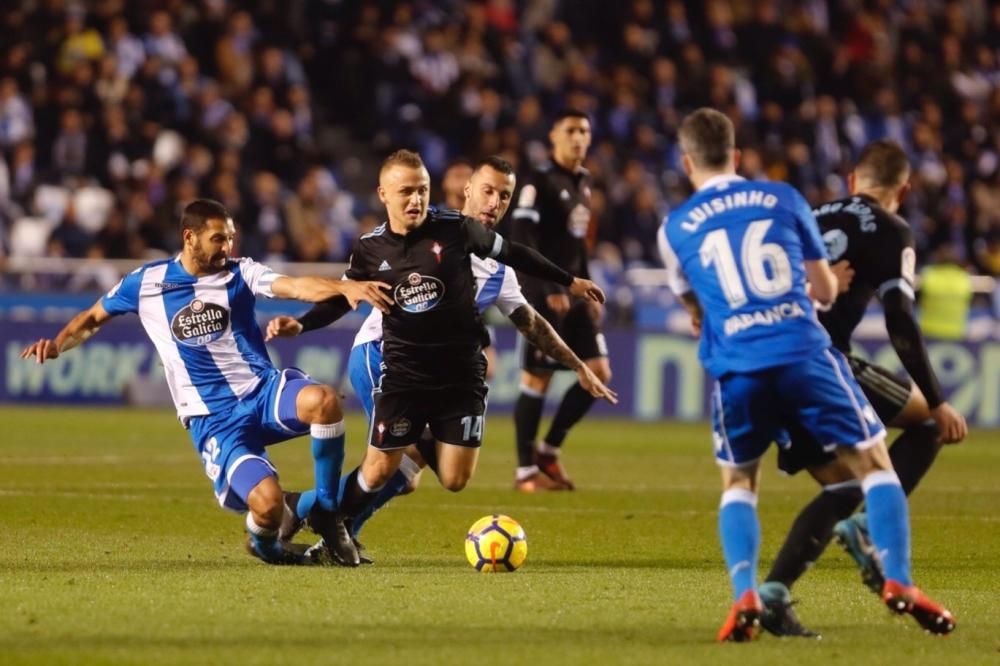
[113,550]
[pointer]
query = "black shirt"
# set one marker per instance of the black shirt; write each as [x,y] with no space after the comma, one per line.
[433,335]
[879,247]
[553,216]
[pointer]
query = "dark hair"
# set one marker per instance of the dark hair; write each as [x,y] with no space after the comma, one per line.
[883,163]
[402,157]
[496,163]
[707,137]
[197,214]
[569,113]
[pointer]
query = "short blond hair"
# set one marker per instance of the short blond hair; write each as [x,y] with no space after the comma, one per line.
[402,157]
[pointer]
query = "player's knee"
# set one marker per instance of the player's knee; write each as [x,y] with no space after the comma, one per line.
[454,482]
[319,404]
[603,372]
[265,503]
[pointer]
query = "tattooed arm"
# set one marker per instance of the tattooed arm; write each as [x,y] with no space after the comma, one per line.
[540,333]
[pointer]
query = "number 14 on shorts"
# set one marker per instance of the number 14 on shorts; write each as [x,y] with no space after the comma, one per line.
[472,428]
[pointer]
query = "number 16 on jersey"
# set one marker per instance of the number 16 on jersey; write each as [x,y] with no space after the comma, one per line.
[767,272]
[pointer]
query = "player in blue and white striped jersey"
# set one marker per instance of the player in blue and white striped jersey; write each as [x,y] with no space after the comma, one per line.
[198,310]
[487,197]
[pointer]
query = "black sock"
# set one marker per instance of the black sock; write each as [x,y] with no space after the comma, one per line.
[811,532]
[355,498]
[527,416]
[428,451]
[573,407]
[913,453]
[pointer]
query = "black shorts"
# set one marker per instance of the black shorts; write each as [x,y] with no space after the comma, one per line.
[455,415]
[888,395]
[577,328]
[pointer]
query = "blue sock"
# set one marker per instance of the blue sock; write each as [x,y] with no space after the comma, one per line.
[397,483]
[264,540]
[328,460]
[308,499]
[739,531]
[889,524]
[305,505]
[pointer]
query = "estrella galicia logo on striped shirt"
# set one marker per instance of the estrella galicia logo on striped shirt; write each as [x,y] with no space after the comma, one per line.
[418,293]
[198,323]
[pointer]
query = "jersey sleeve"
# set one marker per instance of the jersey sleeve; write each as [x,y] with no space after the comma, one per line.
[510,297]
[898,271]
[124,296]
[357,266]
[676,279]
[479,240]
[813,247]
[258,277]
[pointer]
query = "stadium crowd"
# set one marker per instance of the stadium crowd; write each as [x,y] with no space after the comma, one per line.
[114,114]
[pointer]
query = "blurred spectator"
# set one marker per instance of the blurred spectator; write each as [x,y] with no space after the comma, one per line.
[453,184]
[250,103]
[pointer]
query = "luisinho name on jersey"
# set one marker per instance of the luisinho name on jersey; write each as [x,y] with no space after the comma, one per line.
[741,245]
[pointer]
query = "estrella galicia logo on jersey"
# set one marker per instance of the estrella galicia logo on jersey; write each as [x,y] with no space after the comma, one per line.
[400,428]
[198,323]
[419,293]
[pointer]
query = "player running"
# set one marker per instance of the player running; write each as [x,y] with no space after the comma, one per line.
[433,336]
[198,310]
[739,254]
[487,197]
[865,230]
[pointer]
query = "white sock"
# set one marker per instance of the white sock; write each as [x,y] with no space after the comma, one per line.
[548,449]
[256,529]
[526,472]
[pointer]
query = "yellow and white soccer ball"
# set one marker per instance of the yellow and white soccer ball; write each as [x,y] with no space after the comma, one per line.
[496,544]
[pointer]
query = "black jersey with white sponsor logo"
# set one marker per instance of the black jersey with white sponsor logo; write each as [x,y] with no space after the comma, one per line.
[552,215]
[879,246]
[433,334]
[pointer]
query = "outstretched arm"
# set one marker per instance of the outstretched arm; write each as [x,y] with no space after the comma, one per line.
[904,333]
[335,299]
[321,315]
[487,243]
[540,333]
[79,328]
[315,289]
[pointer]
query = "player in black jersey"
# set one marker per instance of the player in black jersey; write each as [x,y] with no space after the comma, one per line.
[865,230]
[553,216]
[433,335]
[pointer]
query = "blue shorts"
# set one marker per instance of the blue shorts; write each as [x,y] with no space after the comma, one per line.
[751,410]
[232,443]
[364,367]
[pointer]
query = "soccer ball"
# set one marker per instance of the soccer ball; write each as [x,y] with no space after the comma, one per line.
[496,544]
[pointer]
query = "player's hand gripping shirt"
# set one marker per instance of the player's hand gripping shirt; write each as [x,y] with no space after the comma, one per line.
[740,245]
[204,329]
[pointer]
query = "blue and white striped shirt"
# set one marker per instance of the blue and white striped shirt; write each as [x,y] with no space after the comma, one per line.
[204,329]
